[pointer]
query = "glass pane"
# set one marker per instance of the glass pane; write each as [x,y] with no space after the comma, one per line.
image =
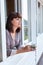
[25,33]
[25,29]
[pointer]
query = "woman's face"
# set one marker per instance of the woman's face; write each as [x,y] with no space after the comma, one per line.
[16,22]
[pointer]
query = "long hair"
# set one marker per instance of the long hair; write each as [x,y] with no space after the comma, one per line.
[11,16]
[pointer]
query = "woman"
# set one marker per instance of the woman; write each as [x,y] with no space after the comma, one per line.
[13,36]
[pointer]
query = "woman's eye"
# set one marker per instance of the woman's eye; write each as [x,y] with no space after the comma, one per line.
[17,19]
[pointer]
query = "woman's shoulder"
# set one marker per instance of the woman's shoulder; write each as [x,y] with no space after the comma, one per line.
[7,32]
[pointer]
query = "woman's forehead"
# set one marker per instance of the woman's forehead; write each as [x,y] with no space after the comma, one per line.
[17,18]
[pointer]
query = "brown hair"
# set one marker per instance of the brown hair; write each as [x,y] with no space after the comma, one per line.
[11,16]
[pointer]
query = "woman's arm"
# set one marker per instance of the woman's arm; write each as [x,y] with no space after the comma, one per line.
[8,44]
[27,48]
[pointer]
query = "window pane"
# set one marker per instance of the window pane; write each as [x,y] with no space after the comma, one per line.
[25,29]
[25,33]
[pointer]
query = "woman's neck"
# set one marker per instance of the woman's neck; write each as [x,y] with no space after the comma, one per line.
[13,35]
[14,32]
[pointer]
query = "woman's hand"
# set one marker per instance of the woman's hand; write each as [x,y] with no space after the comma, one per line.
[25,49]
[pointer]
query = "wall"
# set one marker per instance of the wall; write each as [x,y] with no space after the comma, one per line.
[39,50]
[10,7]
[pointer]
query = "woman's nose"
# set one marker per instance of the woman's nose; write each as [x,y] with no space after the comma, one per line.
[19,23]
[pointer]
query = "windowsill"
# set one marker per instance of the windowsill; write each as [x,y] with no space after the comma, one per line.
[22,58]
[39,34]
[27,43]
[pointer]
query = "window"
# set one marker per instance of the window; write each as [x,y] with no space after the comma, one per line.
[27,20]
[12,8]
[26,23]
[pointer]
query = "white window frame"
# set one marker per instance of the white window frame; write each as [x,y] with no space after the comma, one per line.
[24,41]
[33,21]
[15,2]
[3,31]
[41,28]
